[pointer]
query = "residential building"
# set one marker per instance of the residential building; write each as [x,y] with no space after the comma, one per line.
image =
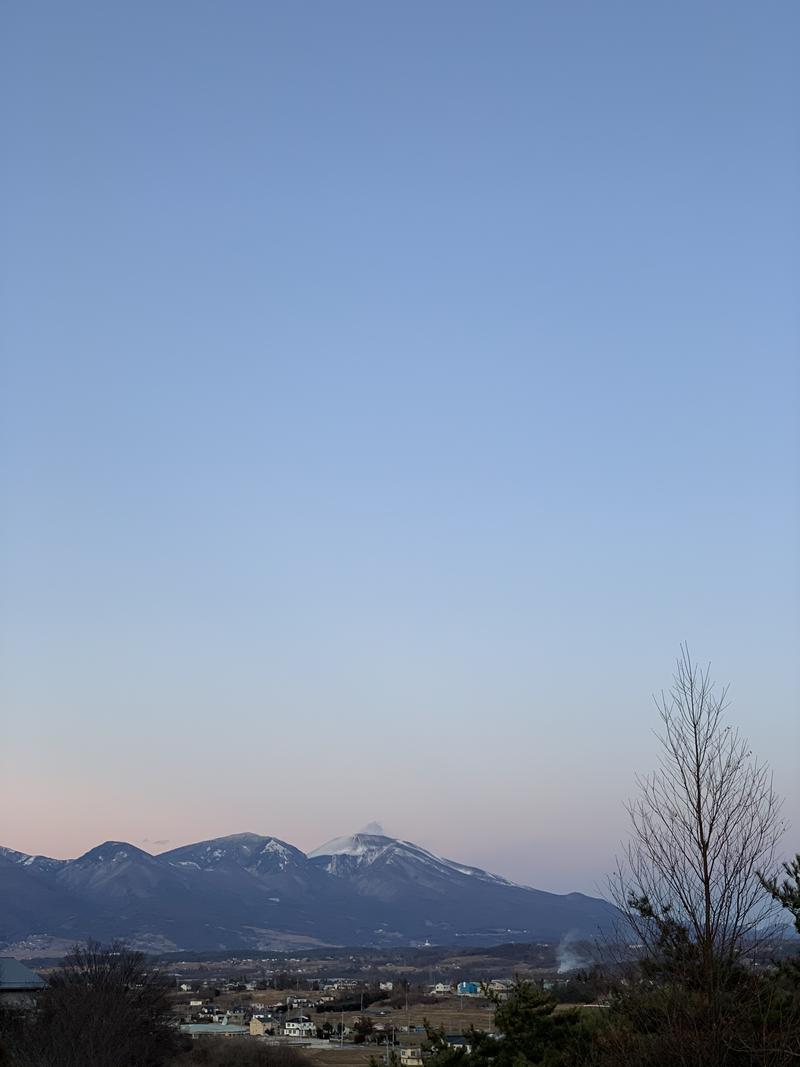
[468,989]
[411,1057]
[300,1026]
[18,984]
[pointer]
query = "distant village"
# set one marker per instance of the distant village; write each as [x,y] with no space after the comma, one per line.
[327,1013]
[323,1017]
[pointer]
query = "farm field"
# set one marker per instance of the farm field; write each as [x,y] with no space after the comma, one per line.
[345,1057]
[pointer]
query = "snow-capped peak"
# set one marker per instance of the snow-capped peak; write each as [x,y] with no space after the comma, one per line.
[360,844]
[252,852]
[365,849]
[113,852]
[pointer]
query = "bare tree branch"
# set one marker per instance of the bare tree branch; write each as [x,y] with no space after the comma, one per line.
[703,826]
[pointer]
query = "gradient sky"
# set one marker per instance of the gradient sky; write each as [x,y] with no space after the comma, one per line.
[387,390]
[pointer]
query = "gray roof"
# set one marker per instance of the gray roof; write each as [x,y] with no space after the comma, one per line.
[213,1028]
[15,975]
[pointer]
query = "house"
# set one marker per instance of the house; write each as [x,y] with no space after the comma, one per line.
[300,1026]
[260,1027]
[468,989]
[441,989]
[18,984]
[386,987]
[297,1002]
[411,1057]
[457,1041]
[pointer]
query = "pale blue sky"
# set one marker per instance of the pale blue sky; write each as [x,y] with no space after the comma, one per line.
[388,389]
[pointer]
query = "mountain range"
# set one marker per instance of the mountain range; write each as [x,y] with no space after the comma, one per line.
[250,891]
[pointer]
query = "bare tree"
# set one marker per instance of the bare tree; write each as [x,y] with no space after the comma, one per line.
[702,827]
[104,1005]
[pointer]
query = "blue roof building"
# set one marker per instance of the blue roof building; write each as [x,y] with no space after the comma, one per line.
[468,989]
[15,977]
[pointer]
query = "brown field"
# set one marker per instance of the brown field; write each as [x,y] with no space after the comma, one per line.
[454,1014]
[345,1057]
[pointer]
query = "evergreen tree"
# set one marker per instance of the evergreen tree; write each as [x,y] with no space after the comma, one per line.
[530,1027]
[787,892]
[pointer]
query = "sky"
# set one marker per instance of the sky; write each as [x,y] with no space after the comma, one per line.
[387,390]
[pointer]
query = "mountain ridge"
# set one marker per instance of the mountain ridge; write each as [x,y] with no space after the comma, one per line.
[258,891]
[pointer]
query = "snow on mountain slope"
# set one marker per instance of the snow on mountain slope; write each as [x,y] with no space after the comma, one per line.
[366,849]
[36,863]
[251,852]
[421,894]
[360,844]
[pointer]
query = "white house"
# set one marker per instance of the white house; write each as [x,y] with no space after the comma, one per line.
[411,1057]
[300,1026]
